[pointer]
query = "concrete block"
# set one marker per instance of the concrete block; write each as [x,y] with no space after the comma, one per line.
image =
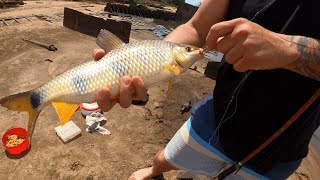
[185,12]
[91,25]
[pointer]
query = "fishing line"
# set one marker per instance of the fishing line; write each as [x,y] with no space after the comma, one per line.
[262,10]
[282,31]
[225,112]
[237,90]
[237,167]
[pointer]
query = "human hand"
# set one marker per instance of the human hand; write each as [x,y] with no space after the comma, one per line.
[249,46]
[130,89]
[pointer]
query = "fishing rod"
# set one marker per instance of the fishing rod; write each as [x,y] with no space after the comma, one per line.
[293,118]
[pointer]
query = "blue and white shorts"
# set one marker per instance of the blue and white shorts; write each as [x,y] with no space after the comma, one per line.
[195,148]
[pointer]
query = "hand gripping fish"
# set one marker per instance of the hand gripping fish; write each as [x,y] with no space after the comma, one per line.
[152,60]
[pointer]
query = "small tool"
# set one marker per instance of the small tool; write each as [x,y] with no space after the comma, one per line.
[50,47]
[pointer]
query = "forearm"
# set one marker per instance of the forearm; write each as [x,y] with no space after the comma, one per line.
[195,31]
[185,34]
[307,61]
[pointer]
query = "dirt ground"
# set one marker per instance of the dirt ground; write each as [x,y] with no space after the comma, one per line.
[137,133]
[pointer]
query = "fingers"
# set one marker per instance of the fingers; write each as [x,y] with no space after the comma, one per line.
[229,37]
[103,99]
[126,92]
[234,54]
[225,44]
[240,65]
[98,54]
[219,30]
[130,89]
[140,90]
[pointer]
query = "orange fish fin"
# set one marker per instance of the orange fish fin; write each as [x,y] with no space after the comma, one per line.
[22,102]
[64,111]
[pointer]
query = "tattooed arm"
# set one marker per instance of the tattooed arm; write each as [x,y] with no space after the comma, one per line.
[308,61]
[248,46]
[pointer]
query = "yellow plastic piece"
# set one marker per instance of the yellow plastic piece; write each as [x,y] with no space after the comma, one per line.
[64,111]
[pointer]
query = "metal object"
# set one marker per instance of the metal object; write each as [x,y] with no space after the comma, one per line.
[20,19]
[213,55]
[141,102]
[50,47]
[16,20]
[186,107]
[4,22]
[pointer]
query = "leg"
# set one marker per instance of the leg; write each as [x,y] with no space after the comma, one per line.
[283,170]
[159,166]
[174,153]
[181,154]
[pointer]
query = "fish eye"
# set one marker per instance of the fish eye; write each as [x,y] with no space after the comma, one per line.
[188,49]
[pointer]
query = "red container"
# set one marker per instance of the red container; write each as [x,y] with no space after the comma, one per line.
[88,108]
[21,133]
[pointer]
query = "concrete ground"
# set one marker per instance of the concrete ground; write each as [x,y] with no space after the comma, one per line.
[137,133]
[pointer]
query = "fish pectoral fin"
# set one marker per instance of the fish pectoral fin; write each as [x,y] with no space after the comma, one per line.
[174,69]
[108,41]
[64,111]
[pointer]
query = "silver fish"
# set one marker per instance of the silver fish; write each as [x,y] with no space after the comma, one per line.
[152,60]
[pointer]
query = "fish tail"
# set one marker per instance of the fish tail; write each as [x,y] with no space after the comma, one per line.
[26,101]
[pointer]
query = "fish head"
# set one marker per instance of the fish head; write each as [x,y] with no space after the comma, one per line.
[186,55]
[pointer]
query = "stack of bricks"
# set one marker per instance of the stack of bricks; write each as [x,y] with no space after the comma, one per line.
[10,3]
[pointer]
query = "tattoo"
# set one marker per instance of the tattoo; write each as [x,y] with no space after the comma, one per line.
[292,40]
[308,64]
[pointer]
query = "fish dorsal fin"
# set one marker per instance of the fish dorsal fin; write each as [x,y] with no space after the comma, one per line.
[108,41]
[64,111]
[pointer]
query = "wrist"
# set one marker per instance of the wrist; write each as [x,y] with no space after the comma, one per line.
[292,55]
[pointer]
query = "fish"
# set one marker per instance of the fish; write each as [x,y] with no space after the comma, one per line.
[153,60]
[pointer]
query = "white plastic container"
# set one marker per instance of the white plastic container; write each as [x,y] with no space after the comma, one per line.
[68,131]
[88,108]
